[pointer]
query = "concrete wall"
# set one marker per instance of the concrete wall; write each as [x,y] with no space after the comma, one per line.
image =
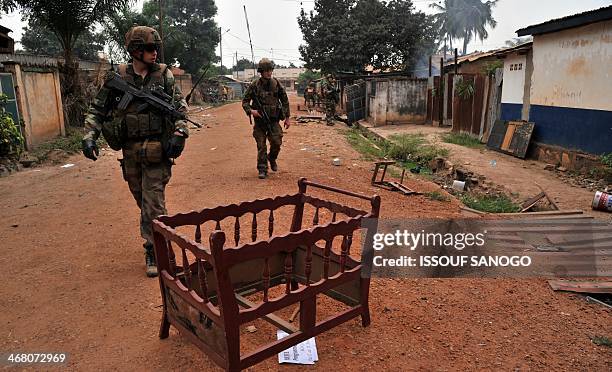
[513,89]
[40,103]
[397,101]
[570,92]
[184,83]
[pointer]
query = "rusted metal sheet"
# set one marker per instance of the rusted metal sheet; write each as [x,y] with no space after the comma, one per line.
[511,137]
[581,286]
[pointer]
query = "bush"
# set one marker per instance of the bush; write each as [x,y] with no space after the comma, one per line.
[11,140]
[413,147]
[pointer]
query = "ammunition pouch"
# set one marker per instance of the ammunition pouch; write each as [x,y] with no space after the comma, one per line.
[147,152]
[113,133]
[144,125]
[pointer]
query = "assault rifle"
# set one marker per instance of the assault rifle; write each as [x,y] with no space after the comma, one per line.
[263,113]
[157,99]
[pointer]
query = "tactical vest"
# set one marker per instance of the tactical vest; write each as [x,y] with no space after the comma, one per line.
[129,124]
[268,94]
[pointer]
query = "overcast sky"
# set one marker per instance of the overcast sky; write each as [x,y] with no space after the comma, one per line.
[275,32]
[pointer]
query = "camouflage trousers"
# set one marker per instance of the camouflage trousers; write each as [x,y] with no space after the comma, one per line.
[275,137]
[330,111]
[147,183]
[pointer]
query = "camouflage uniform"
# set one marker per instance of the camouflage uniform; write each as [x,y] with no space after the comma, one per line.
[273,97]
[330,98]
[144,135]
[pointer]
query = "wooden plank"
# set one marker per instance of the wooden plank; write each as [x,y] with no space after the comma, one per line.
[581,286]
[544,213]
[527,204]
[508,136]
[270,318]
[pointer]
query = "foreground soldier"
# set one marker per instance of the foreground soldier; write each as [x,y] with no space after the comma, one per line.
[330,98]
[149,141]
[266,100]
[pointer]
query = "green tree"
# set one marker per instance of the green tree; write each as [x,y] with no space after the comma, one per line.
[329,35]
[190,32]
[307,76]
[37,39]
[116,25]
[243,64]
[350,35]
[67,20]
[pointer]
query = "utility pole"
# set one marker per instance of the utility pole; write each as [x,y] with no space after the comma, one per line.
[250,42]
[220,51]
[161,30]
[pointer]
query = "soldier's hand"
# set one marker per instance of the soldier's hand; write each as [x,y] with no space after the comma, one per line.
[175,146]
[90,149]
[287,123]
[255,114]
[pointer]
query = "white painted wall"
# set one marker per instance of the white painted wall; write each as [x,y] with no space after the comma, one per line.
[573,68]
[513,87]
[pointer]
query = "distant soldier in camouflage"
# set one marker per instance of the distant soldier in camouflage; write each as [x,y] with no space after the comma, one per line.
[310,94]
[330,98]
[149,141]
[266,100]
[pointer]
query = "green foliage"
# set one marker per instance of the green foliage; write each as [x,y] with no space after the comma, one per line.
[602,341]
[464,88]
[490,67]
[307,76]
[243,64]
[462,139]
[190,33]
[70,144]
[37,39]
[348,35]
[490,203]
[11,140]
[437,196]
[413,147]
[364,145]
[606,159]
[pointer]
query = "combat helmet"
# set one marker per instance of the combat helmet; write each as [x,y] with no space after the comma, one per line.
[139,36]
[265,65]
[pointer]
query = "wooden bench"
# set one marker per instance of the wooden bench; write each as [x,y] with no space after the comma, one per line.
[202,297]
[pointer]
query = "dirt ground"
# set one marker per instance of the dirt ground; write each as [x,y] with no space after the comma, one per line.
[73,270]
[516,175]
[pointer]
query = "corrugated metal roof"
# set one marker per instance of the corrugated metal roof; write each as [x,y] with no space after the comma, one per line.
[571,21]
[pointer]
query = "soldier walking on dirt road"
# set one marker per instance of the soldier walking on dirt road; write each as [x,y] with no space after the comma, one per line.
[266,100]
[148,139]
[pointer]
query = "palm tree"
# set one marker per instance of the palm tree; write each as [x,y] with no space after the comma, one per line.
[465,19]
[446,22]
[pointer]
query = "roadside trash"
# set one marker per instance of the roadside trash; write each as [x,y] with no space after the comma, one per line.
[493,163]
[459,185]
[251,329]
[602,201]
[213,148]
[337,161]
[303,353]
[416,170]
[68,165]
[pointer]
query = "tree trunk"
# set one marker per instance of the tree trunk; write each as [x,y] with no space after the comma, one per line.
[73,99]
[465,44]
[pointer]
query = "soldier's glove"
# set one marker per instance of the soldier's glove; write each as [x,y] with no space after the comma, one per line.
[90,149]
[175,146]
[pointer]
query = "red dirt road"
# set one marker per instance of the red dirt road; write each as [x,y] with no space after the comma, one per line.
[72,271]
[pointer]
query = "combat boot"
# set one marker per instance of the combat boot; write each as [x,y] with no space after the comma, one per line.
[273,165]
[262,174]
[151,265]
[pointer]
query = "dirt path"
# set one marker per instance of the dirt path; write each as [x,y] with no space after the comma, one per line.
[72,270]
[517,175]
